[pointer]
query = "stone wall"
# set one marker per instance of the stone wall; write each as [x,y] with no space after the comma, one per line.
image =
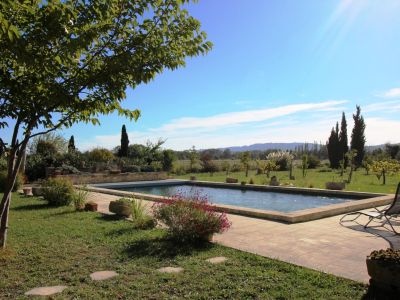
[121,177]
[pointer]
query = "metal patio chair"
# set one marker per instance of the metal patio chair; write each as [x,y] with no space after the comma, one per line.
[387,213]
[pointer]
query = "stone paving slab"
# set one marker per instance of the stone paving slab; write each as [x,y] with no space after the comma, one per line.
[103,275]
[46,290]
[217,260]
[170,270]
[323,244]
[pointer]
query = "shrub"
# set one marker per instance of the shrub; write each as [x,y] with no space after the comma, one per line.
[132,169]
[180,170]
[100,155]
[190,218]
[140,218]
[58,192]
[36,165]
[149,168]
[236,168]
[67,169]
[282,159]
[18,182]
[313,162]
[251,181]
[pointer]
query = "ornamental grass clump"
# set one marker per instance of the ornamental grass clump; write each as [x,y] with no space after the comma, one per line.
[190,218]
[140,217]
[389,255]
[80,197]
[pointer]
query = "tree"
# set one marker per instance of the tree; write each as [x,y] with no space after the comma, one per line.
[168,158]
[270,166]
[207,164]
[304,164]
[193,157]
[343,140]
[350,156]
[71,145]
[358,137]
[333,146]
[152,151]
[64,62]
[392,150]
[123,151]
[245,161]
[385,167]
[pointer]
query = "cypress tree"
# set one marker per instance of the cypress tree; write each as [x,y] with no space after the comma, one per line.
[333,147]
[343,140]
[358,137]
[71,145]
[123,151]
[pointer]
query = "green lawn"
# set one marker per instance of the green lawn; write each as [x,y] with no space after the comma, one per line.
[58,246]
[314,178]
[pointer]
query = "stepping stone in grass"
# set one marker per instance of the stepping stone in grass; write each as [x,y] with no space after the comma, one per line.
[170,270]
[217,260]
[103,275]
[46,290]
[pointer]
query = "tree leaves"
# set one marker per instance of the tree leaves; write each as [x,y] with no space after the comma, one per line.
[64,62]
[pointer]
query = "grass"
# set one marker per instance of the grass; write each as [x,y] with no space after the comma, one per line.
[58,246]
[315,178]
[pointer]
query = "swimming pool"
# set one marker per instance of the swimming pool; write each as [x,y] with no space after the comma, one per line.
[282,202]
[287,204]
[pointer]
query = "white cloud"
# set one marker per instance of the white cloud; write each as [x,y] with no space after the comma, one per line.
[380,131]
[242,117]
[386,106]
[392,93]
[307,122]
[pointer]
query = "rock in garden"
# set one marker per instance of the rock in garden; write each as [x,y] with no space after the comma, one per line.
[46,290]
[170,270]
[103,275]
[217,260]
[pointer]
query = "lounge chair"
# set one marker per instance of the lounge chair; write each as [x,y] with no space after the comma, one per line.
[387,213]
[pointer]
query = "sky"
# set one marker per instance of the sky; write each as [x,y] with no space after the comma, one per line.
[279,71]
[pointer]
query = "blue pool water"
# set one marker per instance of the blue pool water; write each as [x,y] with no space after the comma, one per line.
[283,202]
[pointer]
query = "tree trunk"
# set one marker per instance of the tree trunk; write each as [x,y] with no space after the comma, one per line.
[4,221]
[384,177]
[14,163]
[5,205]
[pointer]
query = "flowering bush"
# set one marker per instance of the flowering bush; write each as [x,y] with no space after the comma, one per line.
[190,218]
[282,159]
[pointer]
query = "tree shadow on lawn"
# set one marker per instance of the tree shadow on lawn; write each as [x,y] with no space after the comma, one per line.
[163,248]
[107,217]
[32,207]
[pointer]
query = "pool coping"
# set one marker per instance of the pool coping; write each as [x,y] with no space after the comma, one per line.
[371,200]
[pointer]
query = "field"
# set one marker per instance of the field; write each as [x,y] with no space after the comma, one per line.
[315,178]
[58,246]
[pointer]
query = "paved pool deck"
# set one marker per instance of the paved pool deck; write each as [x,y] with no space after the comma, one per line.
[322,245]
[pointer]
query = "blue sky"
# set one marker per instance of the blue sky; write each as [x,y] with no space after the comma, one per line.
[279,71]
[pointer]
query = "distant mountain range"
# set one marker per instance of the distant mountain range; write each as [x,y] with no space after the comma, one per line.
[281,146]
